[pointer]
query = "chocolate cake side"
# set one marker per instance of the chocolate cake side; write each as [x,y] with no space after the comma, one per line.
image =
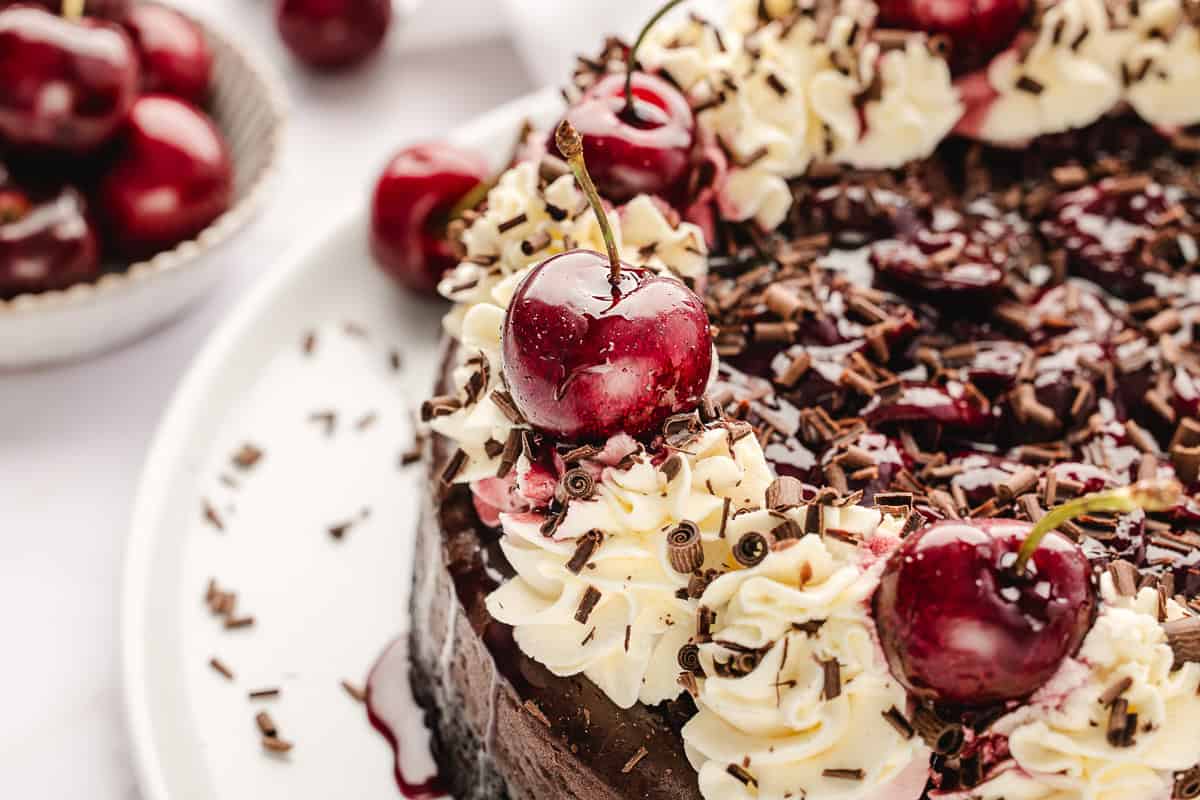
[504,726]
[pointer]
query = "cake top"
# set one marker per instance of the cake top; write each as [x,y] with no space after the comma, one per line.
[930,347]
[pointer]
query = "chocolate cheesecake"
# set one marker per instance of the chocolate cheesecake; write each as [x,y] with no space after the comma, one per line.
[927,330]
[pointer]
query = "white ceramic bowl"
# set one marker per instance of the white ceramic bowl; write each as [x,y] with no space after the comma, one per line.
[51,327]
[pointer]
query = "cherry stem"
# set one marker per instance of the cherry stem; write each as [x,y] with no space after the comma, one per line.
[631,59]
[570,144]
[73,9]
[1151,495]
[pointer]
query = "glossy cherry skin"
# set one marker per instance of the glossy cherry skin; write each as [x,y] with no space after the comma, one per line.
[174,54]
[978,29]
[45,244]
[585,360]
[172,178]
[68,86]
[958,626]
[413,199]
[646,151]
[331,34]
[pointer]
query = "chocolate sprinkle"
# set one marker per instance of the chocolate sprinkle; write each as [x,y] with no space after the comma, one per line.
[584,550]
[587,604]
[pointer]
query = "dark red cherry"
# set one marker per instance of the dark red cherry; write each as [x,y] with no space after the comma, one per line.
[959,626]
[640,150]
[45,244]
[174,53]
[172,178]
[585,358]
[1111,233]
[331,34]
[978,29]
[951,404]
[68,84]
[413,201]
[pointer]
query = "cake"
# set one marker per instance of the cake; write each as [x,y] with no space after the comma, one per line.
[919,523]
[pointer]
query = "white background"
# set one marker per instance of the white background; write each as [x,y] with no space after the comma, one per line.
[72,439]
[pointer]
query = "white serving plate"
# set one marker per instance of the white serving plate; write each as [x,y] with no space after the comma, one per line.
[324,608]
[248,104]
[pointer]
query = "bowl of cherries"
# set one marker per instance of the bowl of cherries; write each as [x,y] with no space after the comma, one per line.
[135,142]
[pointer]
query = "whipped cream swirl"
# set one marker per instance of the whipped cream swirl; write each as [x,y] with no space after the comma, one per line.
[609,607]
[1084,59]
[1058,740]
[780,726]
[779,95]
[1163,65]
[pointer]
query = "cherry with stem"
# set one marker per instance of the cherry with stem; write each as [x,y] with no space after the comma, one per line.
[592,347]
[979,612]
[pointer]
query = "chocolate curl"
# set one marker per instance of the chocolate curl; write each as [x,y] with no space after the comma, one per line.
[689,659]
[944,738]
[684,548]
[578,484]
[751,549]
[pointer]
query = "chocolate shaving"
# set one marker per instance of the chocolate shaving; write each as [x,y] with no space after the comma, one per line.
[634,760]
[220,667]
[587,604]
[741,775]
[247,457]
[832,686]
[844,774]
[584,549]
[1184,637]
[503,401]
[944,737]
[897,720]
[785,492]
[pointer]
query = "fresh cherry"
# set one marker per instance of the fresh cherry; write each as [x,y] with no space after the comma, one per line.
[45,244]
[643,150]
[976,612]
[68,84]
[174,53]
[637,129]
[593,346]
[331,34]
[978,29]
[173,177]
[414,199]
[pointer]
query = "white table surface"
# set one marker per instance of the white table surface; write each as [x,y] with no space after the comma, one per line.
[72,440]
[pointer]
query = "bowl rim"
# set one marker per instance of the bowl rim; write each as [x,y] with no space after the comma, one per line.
[219,231]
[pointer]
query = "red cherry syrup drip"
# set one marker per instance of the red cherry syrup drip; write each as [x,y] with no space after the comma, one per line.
[391,708]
